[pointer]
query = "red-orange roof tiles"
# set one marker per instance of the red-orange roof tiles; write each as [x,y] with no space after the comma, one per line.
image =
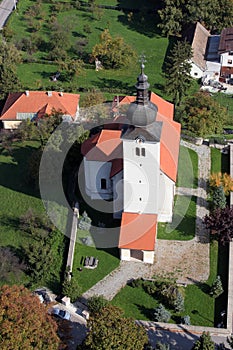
[138,231]
[39,102]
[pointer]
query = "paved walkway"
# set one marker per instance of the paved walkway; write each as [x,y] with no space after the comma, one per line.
[186,261]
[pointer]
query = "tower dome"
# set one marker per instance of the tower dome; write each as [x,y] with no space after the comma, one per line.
[142,112]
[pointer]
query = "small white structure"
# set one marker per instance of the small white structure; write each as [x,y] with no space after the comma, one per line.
[134,162]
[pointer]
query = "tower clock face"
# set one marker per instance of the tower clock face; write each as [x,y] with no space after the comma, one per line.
[140,139]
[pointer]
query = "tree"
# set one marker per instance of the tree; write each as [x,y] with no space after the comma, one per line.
[185,320]
[161,314]
[25,322]
[171,16]
[97,303]
[216,288]
[220,224]
[178,71]
[71,67]
[11,267]
[71,289]
[219,198]
[113,52]
[202,115]
[9,58]
[204,342]
[224,180]
[108,329]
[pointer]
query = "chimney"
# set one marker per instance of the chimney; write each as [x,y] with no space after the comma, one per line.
[61,93]
[27,93]
[49,93]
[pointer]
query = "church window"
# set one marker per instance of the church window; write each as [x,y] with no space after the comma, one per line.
[137,151]
[140,198]
[143,152]
[103,184]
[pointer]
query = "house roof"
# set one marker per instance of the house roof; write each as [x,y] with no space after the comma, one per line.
[39,103]
[138,231]
[106,146]
[226,40]
[197,36]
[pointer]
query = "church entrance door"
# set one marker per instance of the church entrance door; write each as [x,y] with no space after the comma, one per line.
[136,254]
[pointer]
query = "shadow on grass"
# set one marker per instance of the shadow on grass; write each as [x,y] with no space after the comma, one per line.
[225,163]
[147,312]
[113,84]
[140,18]
[14,171]
[222,271]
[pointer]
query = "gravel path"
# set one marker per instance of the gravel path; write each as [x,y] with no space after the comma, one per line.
[186,261]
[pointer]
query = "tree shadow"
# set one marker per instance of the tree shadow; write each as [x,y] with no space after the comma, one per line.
[147,312]
[225,163]
[222,271]
[114,85]
[14,174]
[140,18]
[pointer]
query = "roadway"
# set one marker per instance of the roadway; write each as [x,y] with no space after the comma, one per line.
[6,7]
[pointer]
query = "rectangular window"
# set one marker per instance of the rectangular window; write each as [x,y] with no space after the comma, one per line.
[143,152]
[137,151]
[103,184]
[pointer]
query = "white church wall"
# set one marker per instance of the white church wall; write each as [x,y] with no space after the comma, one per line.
[226,59]
[148,257]
[11,124]
[166,198]
[125,254]
[141,177]
[117,186]
[95,173]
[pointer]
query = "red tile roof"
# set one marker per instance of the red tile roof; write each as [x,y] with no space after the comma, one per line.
[39,102]
[138,231]
[106,146]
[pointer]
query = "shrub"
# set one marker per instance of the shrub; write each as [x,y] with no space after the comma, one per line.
[185,320]
[96,303]
[71,289]
[179,302]
[161,314]
[219,198]
[216,288]
[162,346]
[85,222]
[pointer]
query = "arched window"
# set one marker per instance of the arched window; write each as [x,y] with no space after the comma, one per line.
[103,184]
[137,151]
[143,152]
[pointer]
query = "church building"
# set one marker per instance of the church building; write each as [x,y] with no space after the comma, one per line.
[133,162]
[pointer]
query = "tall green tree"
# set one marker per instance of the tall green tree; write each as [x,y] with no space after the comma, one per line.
[204,342]
[171,16]
[108,329]
[219,198]
[113,52]
[9,58]
[178,71]
[25,322]
[202,115]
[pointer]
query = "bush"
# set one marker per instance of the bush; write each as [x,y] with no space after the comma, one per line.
[85,222]
[219,198]
[161,314]
[185,320]
[216,288]
[162,346]
[71,289]
[96,303]
[179,302]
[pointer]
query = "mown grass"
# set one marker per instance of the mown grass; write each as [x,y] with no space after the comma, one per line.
[183,225]
[199,305]
[108,261]
[187,168]
[219,161]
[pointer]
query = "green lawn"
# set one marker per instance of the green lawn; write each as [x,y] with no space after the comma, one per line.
[108,261]
[187,168]
[183,223]
[141,33]
[219,161]
[16,197]
[199,305]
